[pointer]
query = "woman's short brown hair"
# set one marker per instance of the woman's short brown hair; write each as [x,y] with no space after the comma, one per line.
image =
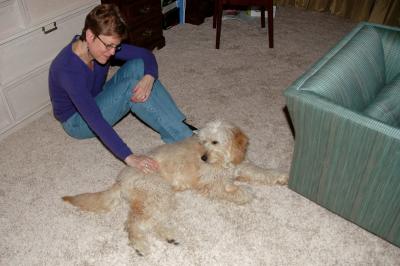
[106,20]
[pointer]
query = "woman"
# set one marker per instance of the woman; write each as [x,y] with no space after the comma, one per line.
[88,106]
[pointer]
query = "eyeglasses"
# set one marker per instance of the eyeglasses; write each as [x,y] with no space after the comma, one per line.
[109,46]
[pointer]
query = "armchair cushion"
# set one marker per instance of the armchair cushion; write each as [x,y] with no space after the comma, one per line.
[386,106]
[391,48]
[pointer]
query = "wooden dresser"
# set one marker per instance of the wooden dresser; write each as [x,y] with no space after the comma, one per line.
[144,19]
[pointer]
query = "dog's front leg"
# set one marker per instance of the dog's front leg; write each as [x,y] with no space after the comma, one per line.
[252,174]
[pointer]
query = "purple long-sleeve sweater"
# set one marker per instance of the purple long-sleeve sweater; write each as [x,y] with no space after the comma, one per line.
[73,88]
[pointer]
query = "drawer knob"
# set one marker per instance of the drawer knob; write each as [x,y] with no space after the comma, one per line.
[144,10]
[147,33]
[48,30]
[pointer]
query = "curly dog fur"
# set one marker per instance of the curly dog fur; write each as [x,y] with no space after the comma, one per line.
[209,163]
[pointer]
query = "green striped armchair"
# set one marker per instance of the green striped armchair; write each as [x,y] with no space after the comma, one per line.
[345,112]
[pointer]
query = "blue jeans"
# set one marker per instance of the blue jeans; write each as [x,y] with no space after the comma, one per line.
[159,111]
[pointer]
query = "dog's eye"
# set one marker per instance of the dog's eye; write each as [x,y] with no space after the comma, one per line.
[214,142]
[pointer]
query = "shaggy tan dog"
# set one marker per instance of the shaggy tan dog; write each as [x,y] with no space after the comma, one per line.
[209,163]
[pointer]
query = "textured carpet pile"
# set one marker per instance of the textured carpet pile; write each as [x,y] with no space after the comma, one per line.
[243,83]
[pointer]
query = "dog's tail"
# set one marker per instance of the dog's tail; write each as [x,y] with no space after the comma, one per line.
[98,201]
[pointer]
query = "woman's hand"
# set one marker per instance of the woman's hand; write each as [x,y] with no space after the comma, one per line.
[143,163]
[143,89]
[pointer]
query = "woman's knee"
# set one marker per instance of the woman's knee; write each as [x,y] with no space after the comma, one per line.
[133,69]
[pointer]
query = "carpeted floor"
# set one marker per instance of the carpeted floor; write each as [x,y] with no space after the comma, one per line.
[243,83]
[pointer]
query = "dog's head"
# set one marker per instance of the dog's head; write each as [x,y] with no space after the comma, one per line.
[224,143]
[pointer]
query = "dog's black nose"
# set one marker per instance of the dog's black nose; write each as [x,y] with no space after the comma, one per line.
[204,158]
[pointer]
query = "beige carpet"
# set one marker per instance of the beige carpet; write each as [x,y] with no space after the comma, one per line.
[242,82]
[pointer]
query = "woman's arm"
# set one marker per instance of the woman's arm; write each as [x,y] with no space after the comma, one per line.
[77,87]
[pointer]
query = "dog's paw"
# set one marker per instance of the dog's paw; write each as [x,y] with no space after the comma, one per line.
[203,189]
[242,195]
[231,188]
[180,186]
[141,248]
[282,180]
[172,241]
[139,253]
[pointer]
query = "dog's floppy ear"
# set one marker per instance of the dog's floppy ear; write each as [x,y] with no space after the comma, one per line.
[239,146]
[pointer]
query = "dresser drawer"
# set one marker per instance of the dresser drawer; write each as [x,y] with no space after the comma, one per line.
[10,19]
[28,95]
[5,119]
[148,32]
[36,48]
[136,12]
[44,10]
